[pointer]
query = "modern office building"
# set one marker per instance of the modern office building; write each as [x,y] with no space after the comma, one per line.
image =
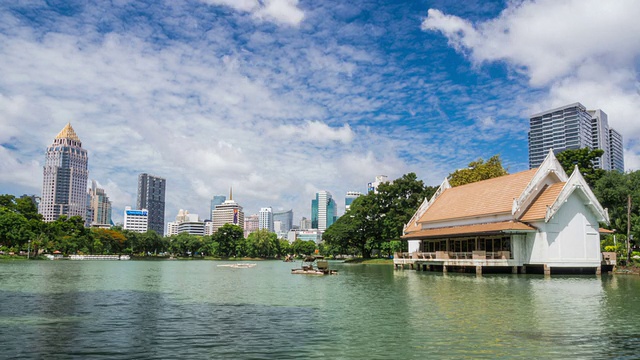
[324,211]
[215,201]
[286,222]
[99,206]
[305,223]
[186,222]
[574,127]
[348,199]
[65,174]
[136,220]
[373,186]
[266,219]
[229,212]
[151,195]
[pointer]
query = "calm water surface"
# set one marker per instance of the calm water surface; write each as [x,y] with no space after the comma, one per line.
[195,309]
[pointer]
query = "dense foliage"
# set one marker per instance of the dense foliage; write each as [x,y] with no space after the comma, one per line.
[22,229]
[477,171]
[374,222]
[583,158]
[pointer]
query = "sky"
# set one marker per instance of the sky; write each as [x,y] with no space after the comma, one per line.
[280,99]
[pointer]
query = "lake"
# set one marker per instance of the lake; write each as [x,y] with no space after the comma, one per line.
[195,309]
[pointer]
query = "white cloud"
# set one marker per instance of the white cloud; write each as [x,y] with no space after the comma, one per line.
[585,51]
[315,132]
[284,12]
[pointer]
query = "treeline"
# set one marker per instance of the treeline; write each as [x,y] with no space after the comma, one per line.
[22,229]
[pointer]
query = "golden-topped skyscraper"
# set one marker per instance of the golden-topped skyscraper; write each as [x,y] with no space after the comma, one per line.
[64,185]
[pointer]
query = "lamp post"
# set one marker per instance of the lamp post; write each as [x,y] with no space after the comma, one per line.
[28,248]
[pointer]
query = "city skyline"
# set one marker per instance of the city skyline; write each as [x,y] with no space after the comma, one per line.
[283,101]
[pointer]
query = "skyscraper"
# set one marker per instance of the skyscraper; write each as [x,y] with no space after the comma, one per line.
[65,174]
[286,219]
[229,212]
[151,194]
[266,219]
[99,206]
[574,127]
[324,211]
[217,200]
[373,186]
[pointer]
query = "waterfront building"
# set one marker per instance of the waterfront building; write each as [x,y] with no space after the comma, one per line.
[136,220]
[186,222]
[536,220]
[574,127]
[99,207]
[151,195]
[215,201]
[65,175]
[324,211]
[373,186]
[229,212]
[314,235]
[251,224]
[348,199]
[286,221]
[266,219]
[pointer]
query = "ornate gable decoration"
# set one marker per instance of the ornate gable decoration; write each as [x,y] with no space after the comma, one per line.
[577,183]
[426,203]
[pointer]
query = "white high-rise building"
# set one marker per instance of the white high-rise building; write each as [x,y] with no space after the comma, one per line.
[266,219]
[65,175]
[186,222]
[373,186]
[574,127]
[324,211]
[136,220]
[229,212]
[99,206]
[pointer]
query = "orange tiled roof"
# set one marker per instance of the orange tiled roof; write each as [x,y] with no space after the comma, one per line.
[486,197]
[467,230]
[538,210]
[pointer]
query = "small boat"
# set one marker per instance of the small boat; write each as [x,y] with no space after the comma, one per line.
[239,265]
[314,265]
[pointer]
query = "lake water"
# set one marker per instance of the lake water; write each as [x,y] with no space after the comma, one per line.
[195,309]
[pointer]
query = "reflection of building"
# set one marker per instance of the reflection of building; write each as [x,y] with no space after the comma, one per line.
[99,206]
[217,200]
[136,220]
[229,212]
[151,194]
[539,219]
[65,174]
[574,127]
[266,219]
[251,224]
[348,199]
[373,186]
[324,211]
[185,222]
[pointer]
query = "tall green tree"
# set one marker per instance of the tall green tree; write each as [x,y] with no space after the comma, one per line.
[585,160]
[228,237]
[262,243]
[477,171]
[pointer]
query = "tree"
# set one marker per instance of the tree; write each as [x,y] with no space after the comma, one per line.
[584,158]
[228,237]
[304,247]
[262,243]
[477,171]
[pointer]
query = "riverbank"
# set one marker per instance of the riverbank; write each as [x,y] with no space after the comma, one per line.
[375,261]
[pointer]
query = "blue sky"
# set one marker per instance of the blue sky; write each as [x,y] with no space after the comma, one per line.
[283,98]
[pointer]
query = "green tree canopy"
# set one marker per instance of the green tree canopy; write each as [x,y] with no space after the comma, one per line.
[585,159]
[477,171]
[228,237]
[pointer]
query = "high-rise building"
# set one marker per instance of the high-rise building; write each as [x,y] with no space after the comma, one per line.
[99,206]
[151,194]
[215,201]
[574,127]
[186,222]
[266,219]
[286,220]
[251,224]
[229,212]
[136,220]
[65,174]
[348,199]
[305,224]
[373,186]
[324,211]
